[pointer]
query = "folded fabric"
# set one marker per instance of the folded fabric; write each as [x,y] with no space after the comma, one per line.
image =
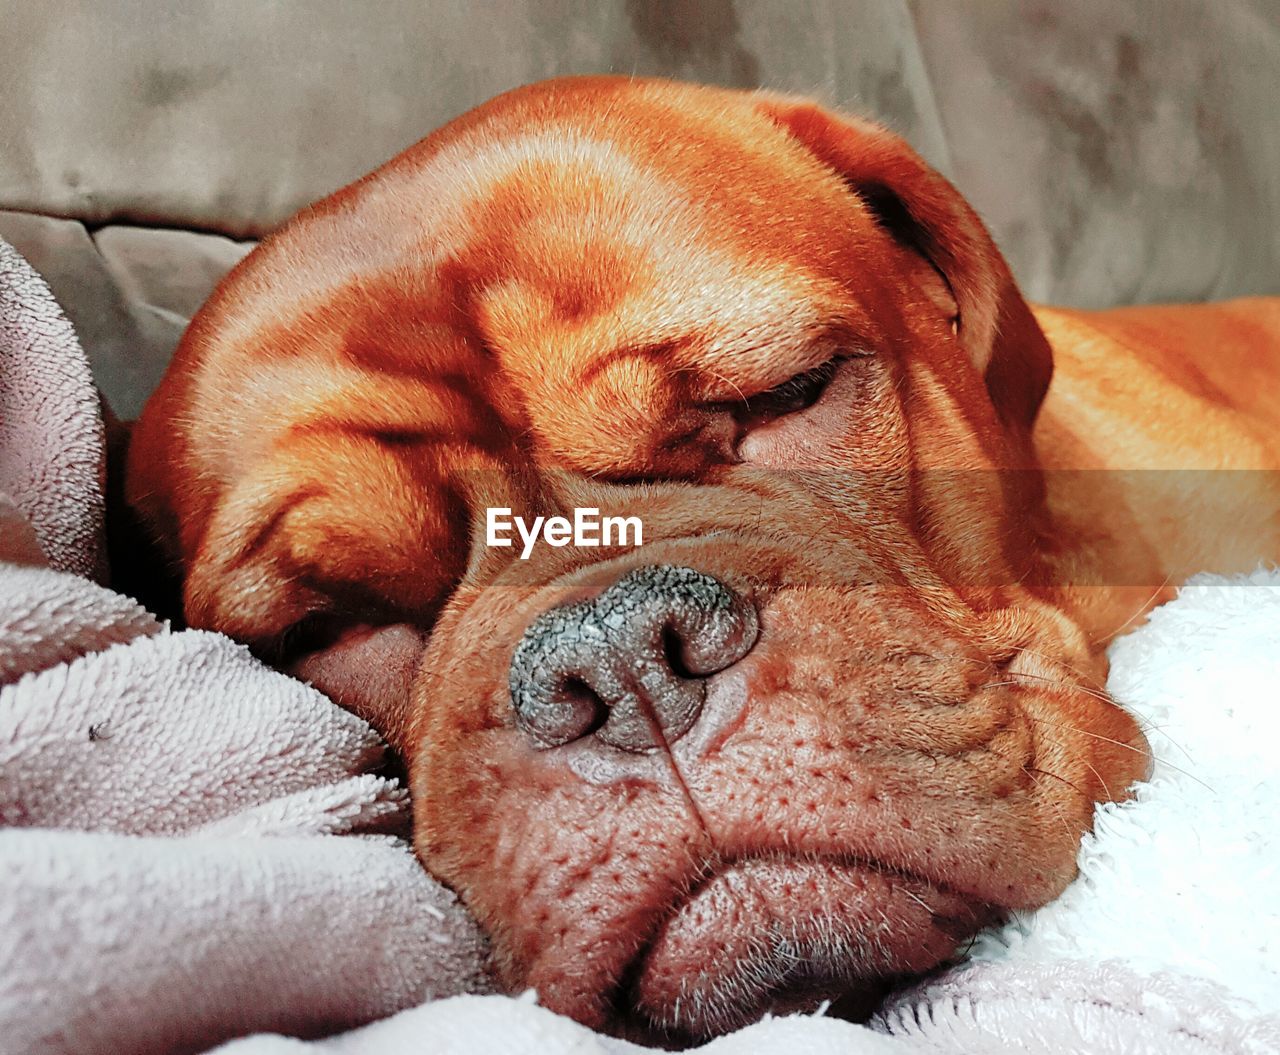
[1063,1009]
[117,943]
[173,731]
[52,451]
[194,846]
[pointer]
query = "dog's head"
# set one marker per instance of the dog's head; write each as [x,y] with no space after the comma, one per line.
[829,718]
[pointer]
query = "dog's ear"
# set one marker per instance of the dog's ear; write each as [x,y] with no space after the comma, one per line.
[924,212]
[329,551]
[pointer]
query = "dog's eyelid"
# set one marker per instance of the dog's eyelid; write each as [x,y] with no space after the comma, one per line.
[797,392]
[730,396]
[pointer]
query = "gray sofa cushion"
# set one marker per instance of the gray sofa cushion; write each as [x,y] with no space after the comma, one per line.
[1121,152]
[231,116]
[129,291]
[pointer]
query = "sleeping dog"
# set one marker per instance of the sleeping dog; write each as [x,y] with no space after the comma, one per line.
[843,706]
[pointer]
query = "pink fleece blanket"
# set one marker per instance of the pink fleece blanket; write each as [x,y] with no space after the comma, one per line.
[197,850]
[194,847]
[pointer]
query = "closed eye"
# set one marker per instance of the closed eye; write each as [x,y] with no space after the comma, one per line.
[795,394]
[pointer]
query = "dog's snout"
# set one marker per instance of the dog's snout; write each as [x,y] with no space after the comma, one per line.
[629,665]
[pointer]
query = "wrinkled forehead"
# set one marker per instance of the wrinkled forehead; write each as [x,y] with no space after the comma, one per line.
[615,256]
[639,214]
[639,228]
[603,252]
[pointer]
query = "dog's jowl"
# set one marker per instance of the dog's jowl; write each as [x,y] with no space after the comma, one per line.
[835,702]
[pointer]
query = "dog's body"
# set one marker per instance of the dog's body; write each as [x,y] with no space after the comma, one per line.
[1159,438]
[844,704]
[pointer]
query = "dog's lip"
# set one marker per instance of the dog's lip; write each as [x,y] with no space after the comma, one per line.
[773,952]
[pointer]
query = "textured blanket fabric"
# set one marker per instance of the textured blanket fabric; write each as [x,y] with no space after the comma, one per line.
[1064,1009]
[193,846]
[52,454]
[196,849]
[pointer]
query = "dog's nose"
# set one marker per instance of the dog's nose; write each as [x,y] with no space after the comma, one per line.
[629,666]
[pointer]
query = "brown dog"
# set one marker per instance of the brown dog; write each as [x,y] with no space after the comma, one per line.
[843,705]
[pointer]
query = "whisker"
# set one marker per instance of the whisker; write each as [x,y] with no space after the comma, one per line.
[726,381]
[1146,605]
[918,900]
[1145,726]
[1104,697]
[1085,732]
[1098,777]
[1031,771]
[1073,835]
[1061,780]
[1063,664]
[1098,736]
[1118,743]
[1148,727]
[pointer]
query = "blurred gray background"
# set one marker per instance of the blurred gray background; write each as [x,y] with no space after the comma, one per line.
[1120,150]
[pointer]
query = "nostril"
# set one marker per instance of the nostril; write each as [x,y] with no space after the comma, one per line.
[673,648]
[560,709]
[629,666]
[588,708]
[708,630]
[556,687]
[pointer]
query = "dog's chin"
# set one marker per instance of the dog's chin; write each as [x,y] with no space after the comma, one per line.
[781,936]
